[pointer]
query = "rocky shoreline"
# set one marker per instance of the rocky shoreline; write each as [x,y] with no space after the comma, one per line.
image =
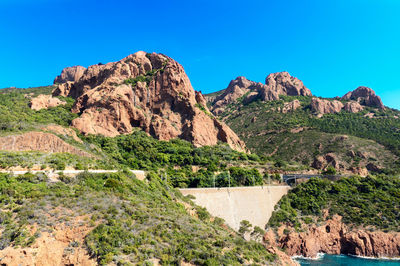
[334,237]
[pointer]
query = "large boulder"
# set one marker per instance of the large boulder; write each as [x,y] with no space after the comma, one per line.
[353,107]
[365,96]
[44,101]
[322,106]
[70,74]
[149,91]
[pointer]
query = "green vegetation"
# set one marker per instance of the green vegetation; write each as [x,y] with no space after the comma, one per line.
[300,136]
[372,202]
[133,221]
[56,161]
[176,159]
[16,115]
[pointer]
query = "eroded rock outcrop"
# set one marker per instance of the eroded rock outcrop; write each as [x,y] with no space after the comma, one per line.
[291,106]
[322,106]
[365,96]
[70,74]
[353,107]
[335,237]
[38,141]
[44,101]
[149,91]
[276,84]
[284,84]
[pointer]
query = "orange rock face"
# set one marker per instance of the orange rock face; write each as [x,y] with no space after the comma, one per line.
[70,74]
[44,102]
[334,237]
[38,141]
[149,91]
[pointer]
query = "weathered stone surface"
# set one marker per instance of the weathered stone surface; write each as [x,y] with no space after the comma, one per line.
[334,237]
[322,106]
[44,101]
[365,96]
[284,84]
[280,83]
[38,141]
[291,106]
[353,107]
[70,74]
[160,100]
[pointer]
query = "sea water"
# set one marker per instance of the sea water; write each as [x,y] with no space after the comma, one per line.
[343,260]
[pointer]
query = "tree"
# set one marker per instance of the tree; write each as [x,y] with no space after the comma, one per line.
[245,227]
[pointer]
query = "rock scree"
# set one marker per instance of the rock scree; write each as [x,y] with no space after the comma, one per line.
[148,91]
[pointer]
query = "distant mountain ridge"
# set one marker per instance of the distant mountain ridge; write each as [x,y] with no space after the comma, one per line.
[283,120]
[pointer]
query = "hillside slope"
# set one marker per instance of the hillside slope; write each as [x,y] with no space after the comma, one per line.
[354,134]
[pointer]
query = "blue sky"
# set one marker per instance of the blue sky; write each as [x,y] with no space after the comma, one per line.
[333,46]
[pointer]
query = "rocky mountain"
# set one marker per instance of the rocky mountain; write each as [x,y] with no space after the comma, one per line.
[276,84]
[149,91]
[70,74]
[365,96]
[283,121]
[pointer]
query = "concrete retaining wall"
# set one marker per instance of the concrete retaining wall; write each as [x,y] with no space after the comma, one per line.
[254,204]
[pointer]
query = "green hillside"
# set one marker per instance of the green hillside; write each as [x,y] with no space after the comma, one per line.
[301,136]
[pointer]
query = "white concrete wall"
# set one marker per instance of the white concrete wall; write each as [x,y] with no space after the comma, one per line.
[254,204]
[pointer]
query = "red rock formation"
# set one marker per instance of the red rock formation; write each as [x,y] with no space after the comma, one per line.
[70,74]
[280,83]
[353,107]
[44,102]
[291,106]
[334,237]
[284,84]
[365,96]
[38,141]
[321,106]
[150,91]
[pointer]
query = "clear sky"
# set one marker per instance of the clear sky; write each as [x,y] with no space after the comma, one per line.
[332,45]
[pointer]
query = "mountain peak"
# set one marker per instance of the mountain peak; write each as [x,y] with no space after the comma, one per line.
[365,96]
[149,91]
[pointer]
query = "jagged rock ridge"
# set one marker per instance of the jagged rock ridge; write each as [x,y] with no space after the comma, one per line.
[281,83]
[149,91]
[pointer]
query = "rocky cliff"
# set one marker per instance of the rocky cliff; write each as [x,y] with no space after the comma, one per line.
[281,83]
[149,91]
[334,237]
[70,74]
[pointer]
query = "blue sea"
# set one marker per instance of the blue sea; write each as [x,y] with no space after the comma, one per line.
[343,260]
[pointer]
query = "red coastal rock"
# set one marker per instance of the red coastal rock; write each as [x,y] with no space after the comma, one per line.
[334,237]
